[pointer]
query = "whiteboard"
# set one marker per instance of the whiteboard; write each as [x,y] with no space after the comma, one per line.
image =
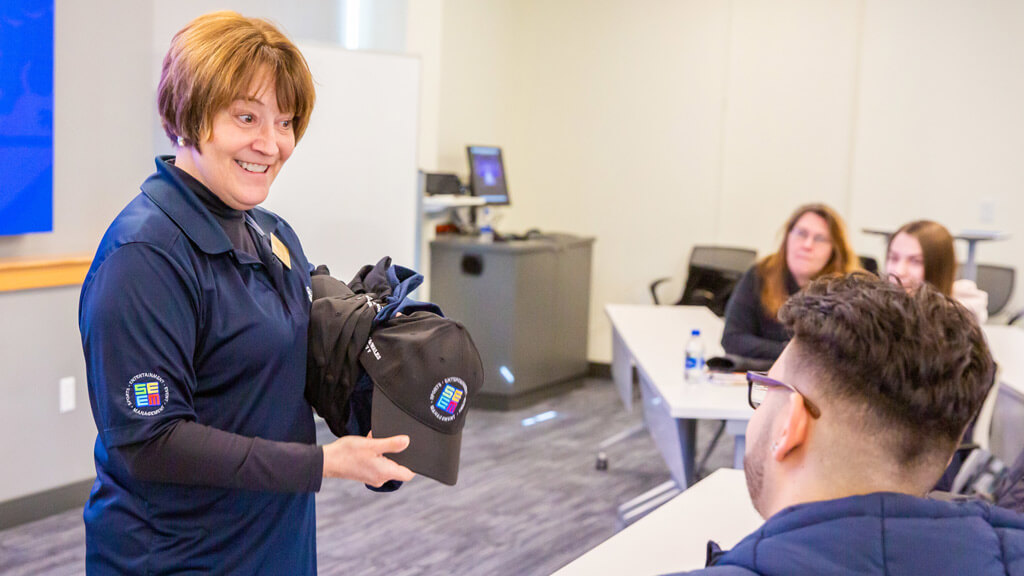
[350,188]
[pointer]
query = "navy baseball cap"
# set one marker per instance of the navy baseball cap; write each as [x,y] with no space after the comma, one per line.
[425,370]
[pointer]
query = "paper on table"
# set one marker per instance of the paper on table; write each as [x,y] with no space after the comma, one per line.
[728,378]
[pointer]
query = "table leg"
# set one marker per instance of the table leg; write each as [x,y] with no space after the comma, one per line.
[622,369]
[623,378]
[738,430]
[738,451]
[970,268]
[675,438]
[688,445]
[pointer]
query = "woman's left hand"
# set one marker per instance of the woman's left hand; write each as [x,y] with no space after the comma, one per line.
[363,460]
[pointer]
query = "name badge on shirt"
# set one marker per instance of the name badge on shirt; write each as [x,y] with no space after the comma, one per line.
[281,251]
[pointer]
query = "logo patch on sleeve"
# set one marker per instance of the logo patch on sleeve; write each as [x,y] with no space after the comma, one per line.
[146,394]
[446,399]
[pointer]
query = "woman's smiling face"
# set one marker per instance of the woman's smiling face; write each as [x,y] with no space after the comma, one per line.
[905,261]
[250,140]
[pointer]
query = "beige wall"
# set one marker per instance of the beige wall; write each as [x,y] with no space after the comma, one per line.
[787,130]
[941,124]
[423,39]
[655,125]
[101,154]
[651,124]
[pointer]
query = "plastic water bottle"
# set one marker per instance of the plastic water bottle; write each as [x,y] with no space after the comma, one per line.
[486,228]
[694,368]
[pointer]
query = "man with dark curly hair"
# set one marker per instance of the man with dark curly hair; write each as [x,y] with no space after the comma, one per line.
[854,424]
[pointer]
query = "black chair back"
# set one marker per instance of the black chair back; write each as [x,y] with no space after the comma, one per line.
[869,264]
[713,274]
[998,281]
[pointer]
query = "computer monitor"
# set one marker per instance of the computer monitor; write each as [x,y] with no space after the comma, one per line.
[487,174]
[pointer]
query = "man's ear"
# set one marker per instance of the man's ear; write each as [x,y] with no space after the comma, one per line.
[794,421]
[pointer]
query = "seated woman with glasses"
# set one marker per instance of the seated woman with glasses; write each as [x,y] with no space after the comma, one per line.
[813,244]
[922,252]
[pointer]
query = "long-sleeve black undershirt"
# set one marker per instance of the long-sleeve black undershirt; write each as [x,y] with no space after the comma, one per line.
[192,453]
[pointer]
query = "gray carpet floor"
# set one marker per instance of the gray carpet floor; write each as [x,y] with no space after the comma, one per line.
[529,500]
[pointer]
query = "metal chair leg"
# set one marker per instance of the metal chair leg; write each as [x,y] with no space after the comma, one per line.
[711,448]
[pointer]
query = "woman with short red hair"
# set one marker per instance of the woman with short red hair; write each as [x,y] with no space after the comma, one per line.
[194,321]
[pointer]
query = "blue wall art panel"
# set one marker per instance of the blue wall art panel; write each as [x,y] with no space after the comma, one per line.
[26,116]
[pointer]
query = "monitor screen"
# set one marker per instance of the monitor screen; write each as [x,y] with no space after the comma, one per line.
[487,174]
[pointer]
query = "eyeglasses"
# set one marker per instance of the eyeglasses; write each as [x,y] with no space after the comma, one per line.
[802,235]
[758,384]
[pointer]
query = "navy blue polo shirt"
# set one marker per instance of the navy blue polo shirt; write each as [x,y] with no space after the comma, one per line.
[178,325]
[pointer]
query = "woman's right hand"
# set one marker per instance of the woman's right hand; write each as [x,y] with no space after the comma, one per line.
[362,459]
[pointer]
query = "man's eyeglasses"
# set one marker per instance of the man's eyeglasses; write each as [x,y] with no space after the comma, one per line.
[758,384]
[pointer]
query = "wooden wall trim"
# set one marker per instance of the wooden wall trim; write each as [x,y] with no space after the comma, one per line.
[26,273]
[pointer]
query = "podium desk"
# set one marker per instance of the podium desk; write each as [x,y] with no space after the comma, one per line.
[652,339]
[674,537]
[527,305]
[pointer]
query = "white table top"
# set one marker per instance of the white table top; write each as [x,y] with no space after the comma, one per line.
[442,202]
[969,235]
[981,235]
[656,337]
[1007,346]
[674,537]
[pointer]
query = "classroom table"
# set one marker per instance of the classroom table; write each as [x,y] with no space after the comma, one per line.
[1006,343]
[999,424]
[652,340]
[674,537]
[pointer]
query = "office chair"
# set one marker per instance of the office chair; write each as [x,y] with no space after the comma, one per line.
[869,264]
[712,274]
[998,282]
[974,468]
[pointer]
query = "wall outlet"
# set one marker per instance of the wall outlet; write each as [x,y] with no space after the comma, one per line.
[67,394]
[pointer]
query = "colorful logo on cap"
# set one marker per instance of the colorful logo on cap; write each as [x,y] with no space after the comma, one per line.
[146,394]
[449,399]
